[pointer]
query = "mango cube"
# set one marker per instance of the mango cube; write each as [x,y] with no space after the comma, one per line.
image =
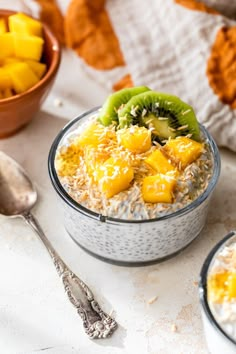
[95,134]
[159,162]
[23,24]
[5,79]
[94,158]
[7,93]
[10,60]
[28,47]
[3,26]
[183,150]
[232,285]
[114,176]
[38,68]
[6,45]
[217,287]
[158,188]
[22,76]
[136,139]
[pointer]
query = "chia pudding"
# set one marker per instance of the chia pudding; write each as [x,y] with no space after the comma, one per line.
[221,287]
[81,160]
[135,178]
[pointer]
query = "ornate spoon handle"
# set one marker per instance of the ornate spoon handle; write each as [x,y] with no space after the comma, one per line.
[97,323]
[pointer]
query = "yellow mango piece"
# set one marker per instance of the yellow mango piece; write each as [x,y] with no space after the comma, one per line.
[95,134]
[23,24]
[6,45]
[22,76]
[38,68]
[10,60]
[5,79]
[1,95]
[94,158]
[136,139]
[28,47]
[3,26]
[113,176]
[217,287]
[7,93]
[183,150]
[159,162]
[232,286]
[158,188]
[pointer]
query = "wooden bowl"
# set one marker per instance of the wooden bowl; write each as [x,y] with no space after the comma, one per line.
[18,110]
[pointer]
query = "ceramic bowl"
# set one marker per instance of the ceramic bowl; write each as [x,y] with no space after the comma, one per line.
[18,110]
[217,339]
[131,242]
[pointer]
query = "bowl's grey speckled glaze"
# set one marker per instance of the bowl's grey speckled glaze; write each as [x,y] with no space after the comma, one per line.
[125,241]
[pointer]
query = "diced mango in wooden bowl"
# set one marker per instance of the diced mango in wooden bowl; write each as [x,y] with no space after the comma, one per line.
[21,43]
[29,60]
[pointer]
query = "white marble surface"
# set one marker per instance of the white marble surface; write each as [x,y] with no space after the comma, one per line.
[35,315]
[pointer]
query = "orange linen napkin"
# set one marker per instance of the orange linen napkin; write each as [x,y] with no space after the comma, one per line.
[184,47]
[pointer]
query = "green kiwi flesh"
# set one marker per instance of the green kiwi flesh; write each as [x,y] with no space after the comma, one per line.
[109,110]
[166,114]
[160,126]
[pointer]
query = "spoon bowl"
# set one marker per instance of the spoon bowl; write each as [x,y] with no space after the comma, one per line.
[17,192]
[17,197]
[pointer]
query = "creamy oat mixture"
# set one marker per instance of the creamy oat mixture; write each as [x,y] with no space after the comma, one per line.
[221,288]
[128,204]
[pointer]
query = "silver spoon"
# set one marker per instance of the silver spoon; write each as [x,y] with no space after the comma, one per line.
[17,197]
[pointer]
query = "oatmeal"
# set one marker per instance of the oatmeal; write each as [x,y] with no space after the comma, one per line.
[221,287]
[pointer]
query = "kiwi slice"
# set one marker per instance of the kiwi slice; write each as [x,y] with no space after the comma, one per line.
[109,111]
[166,114]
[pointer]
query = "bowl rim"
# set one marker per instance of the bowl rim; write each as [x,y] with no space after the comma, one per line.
[81,209]
[56,58]
[202,287]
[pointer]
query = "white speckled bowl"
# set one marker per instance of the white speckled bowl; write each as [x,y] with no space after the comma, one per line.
[218,341]
[131,242]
